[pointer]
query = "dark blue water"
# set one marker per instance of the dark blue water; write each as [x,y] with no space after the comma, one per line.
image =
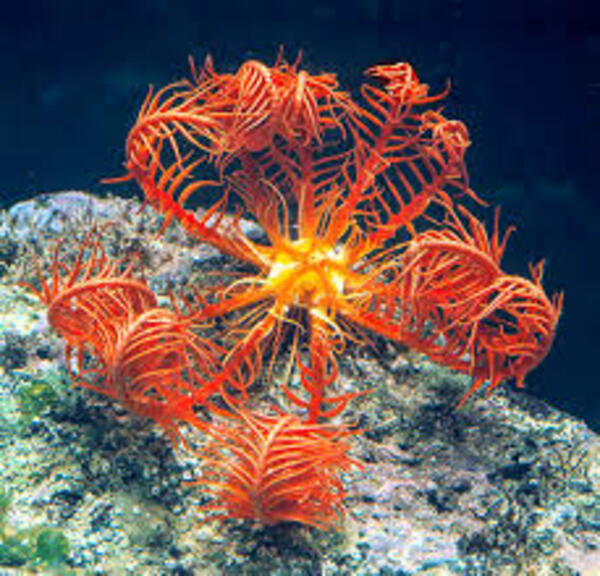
[526,81]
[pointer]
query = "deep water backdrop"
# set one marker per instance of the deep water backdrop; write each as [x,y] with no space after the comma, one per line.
[525,76]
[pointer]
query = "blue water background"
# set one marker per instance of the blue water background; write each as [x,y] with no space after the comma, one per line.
[526,80]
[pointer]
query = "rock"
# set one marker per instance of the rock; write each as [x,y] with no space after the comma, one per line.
[506,485]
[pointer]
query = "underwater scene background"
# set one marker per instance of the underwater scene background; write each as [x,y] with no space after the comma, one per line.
[524,80]
[99,480]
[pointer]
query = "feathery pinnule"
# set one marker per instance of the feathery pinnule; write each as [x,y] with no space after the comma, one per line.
[276,469]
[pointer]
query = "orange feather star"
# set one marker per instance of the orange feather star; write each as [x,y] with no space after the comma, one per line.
[335,185]
[342,191]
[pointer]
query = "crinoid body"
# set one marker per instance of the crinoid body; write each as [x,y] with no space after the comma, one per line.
[127,347]
[362,205]
[341,191]
[276,469]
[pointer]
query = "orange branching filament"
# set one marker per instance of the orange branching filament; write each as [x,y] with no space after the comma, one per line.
[339,190]
[126,346]
[480,320]
[277,470]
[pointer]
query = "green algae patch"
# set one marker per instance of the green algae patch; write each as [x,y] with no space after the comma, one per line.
[52,547]
[38,548]
[36,396]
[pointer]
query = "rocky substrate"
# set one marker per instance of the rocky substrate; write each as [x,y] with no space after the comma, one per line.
[506,485]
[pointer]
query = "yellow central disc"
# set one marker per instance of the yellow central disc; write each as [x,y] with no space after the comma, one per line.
[306,273]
